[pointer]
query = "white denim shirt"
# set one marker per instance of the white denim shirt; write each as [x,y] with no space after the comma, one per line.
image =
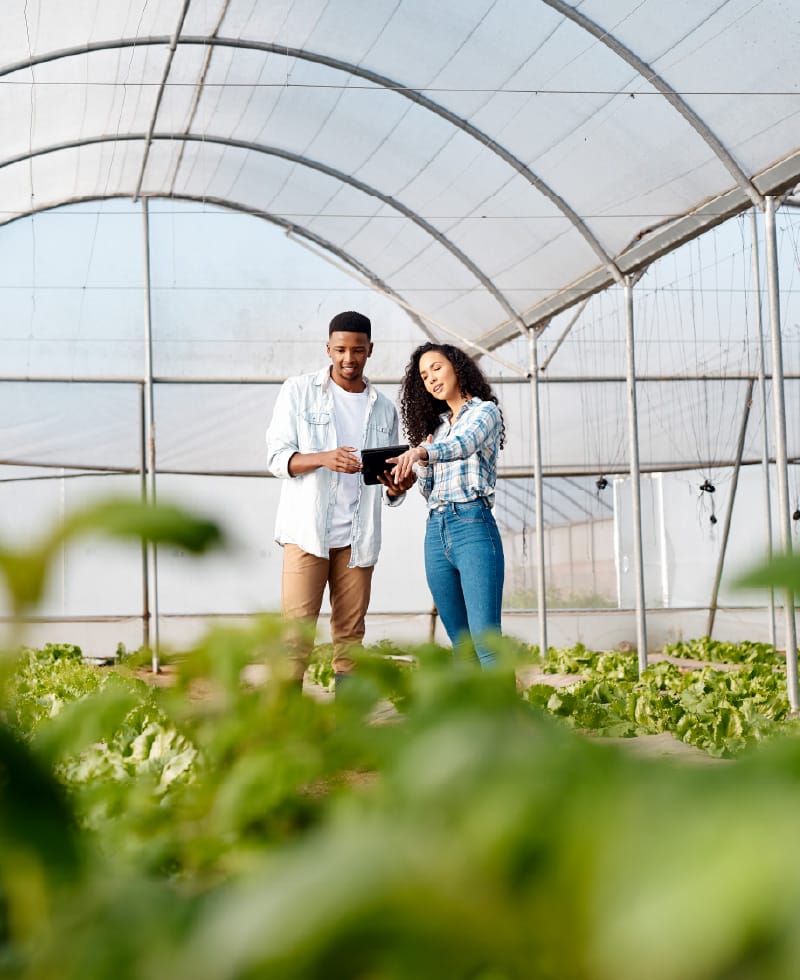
[303,422]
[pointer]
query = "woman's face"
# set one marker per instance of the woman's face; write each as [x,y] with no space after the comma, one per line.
[439,376]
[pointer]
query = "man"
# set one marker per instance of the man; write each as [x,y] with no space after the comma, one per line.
[328,521]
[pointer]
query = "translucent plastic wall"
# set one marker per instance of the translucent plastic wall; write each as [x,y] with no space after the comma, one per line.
[237,306]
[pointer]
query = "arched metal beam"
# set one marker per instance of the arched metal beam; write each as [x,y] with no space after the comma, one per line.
[288,226]
[517,495]
[164,76]
[651,76]
[382,81]
[554,489]
[595,496]
[303,161]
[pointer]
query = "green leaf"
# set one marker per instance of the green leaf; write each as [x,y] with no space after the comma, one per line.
[25,571]
[25,574]
[34,813]
[131,518]
[782,571]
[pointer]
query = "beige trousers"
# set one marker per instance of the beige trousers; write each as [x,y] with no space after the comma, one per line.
[302,588]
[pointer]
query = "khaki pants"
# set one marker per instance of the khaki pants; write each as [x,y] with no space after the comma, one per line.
[302,588]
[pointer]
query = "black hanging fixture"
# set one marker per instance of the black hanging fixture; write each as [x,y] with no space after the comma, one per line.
[601,483]
[708,487]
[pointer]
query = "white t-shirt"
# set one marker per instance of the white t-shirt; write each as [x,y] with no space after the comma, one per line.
[351,412]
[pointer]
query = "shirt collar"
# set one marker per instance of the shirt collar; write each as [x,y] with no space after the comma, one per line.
[445,416]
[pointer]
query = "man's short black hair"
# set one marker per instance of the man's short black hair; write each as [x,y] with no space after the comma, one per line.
[351,322]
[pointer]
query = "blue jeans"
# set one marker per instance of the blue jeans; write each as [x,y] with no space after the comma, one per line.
[465,570]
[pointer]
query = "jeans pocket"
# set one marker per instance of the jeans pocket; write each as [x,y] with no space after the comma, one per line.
[470,512]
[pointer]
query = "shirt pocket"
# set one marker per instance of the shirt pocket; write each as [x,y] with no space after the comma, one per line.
[313,430]
[378,434]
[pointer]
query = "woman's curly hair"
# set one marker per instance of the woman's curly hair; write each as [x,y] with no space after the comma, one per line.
[420,411]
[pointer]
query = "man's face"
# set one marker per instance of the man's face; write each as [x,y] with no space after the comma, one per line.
[348,352]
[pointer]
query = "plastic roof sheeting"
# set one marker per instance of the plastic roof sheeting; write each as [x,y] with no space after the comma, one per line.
[485,162]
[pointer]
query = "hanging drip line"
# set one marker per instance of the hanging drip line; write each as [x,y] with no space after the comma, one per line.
[703,438]
[796,511]
[725,346]
[602,404]
[708,487]
[714,320]
[527,493]
[704,409]
[790,390]
[661,321]
[515,507]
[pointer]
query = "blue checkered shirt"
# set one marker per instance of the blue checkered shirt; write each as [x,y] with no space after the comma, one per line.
[462,459]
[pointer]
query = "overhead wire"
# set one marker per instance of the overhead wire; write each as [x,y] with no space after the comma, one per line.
[285,85]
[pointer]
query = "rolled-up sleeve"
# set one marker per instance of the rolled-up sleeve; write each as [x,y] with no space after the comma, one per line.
[394,439]
[483,428]
[282,438]
[424,479]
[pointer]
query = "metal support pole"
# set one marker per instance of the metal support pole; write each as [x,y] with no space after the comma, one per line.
[432,625]
[564,333]
[533,372]
[762,392]
[150,431]
[781,464]
[636,496]
[143,492]
[665,583]
[712,606]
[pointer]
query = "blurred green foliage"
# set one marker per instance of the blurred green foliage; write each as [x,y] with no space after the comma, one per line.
[24,571]
[476,838]
[225,826]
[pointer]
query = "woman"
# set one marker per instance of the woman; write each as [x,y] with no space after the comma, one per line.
[454,454]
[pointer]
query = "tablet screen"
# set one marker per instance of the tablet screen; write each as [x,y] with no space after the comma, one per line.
[374,461]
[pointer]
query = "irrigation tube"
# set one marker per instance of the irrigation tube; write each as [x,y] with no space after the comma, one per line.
[782,468]
[633,436]
[149,484]
[762,391]
[533,364]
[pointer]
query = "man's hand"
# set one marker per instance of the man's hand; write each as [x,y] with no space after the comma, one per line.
[395,488]
[342,460]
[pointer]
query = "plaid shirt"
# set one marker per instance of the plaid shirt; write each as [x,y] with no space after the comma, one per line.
[462,459]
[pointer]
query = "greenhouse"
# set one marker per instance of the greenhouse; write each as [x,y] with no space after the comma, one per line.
[597,205]
[599,202]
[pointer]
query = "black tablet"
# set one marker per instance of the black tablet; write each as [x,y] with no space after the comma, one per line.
[374,461]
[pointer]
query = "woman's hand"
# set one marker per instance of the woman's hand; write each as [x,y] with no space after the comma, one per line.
[404,463]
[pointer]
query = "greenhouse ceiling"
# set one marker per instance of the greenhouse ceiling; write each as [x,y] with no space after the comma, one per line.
[486,163]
